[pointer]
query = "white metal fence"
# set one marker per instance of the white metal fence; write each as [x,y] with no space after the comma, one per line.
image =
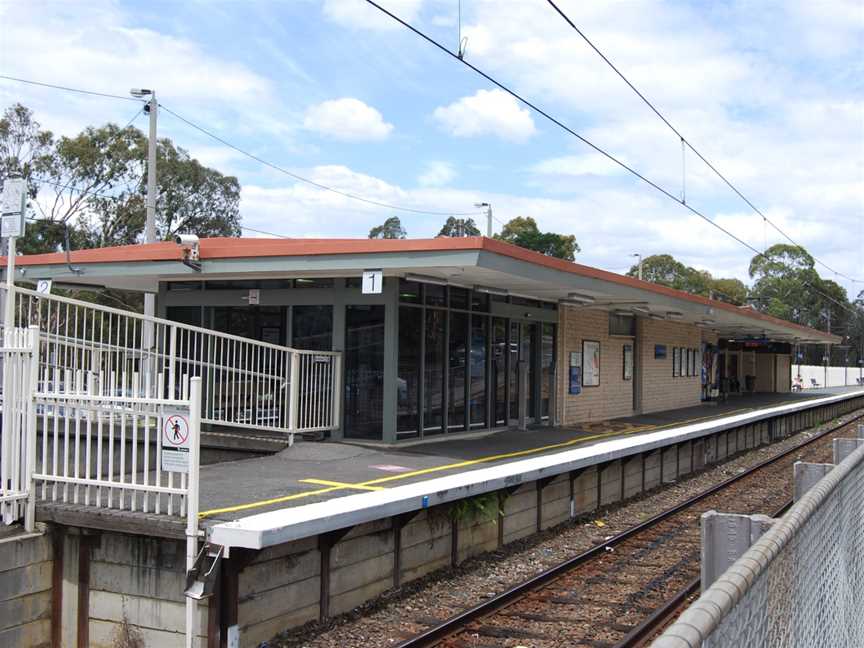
[801,585]
[115,353]
[820,376]
[17,443]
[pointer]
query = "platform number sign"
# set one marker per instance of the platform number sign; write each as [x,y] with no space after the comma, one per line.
[43,286]
[175,440]
[373,282]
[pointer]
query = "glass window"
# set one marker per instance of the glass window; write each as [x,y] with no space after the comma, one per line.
[480,301]
[433,378]
[458,298]
[500,299]
[622,324]
[409,291]
[547,365]
[458,355]
[408,381]
[522,301]
[274,284]
[513,346]
[313,283]
[499,371]
[185,286]
[435,295]
[312,327]
[477,394]
[364,372]
[232,285]
[354,282]
[184,314]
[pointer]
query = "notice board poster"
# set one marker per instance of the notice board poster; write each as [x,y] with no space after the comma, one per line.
[575,376]
[590,363]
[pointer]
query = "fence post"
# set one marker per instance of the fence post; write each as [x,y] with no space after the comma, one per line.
[192,500]
[337,392]
[172,364]
[294,397]
[33,344]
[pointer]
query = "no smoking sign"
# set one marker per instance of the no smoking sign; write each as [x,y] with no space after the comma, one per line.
[175,440]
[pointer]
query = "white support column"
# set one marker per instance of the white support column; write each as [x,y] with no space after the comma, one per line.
[725,538]
[192,501]
[30,432]
[806,475]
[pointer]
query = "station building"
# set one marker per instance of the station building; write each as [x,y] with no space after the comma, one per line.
[460,335]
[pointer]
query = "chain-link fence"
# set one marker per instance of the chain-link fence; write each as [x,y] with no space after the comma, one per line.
[800,585]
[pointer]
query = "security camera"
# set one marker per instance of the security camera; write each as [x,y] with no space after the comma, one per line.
[189,243]
[186,239]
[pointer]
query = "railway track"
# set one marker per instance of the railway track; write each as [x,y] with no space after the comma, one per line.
[623,592]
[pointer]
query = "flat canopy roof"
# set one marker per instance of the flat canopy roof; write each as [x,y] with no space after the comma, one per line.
[467,261]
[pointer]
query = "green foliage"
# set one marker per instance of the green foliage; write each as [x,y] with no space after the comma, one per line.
[389,229]
[459,227]
[523,231]
[479,507]
[665,270]
[95,184]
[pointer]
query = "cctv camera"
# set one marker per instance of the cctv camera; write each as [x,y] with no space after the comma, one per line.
[186,239]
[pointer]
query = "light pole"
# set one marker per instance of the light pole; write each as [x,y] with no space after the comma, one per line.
[488,216]
[638,256]
[152,107]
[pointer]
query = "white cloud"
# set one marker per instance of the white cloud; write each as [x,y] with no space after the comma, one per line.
[487,112]
[578,165]
[346,119]
[437,174]
[358,14]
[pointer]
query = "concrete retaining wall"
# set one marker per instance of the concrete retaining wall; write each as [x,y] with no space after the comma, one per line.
[25,590]
[104,582]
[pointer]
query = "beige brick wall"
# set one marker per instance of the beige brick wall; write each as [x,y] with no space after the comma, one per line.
[660,390]
[614,396]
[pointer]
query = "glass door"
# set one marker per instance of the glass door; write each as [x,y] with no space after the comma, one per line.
[364,372]
[522,347]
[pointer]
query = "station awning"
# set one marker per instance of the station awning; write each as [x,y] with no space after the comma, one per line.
[472,262]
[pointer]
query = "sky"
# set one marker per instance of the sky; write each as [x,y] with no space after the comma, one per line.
[772,93]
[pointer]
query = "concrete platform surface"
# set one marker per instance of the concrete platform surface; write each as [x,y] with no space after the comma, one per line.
[313,472]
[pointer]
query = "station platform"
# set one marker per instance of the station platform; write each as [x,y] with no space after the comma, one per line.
[316,472]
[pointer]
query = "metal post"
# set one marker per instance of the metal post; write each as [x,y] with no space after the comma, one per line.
[294,397]
[150,221]
[192,500]
[337,392]
[489,221]
[33,344]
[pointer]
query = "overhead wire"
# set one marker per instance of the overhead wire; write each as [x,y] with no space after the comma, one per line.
[68,88]
[313,183]
[248,154]
[685,141]
[575,134]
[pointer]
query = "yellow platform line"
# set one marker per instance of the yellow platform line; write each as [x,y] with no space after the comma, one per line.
[461,464]
[324,482]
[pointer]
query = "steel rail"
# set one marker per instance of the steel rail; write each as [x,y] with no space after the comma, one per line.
[456,623]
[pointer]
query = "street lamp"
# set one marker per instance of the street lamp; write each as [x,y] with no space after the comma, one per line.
[488,216]
[151,107]
[638,256]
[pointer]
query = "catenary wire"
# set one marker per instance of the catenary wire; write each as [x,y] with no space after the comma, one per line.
[68,88]
[581,138]
[689,145]
[246,153]
[300,178]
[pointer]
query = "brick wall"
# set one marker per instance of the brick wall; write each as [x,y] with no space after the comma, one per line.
[660,390]
[613,398]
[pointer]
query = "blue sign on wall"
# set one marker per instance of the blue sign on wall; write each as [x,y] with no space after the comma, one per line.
[575,380]
[659,351]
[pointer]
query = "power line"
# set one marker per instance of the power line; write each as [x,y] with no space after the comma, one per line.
[300,178]
[246,153]
[685,141]
[572,132]
[68,89]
